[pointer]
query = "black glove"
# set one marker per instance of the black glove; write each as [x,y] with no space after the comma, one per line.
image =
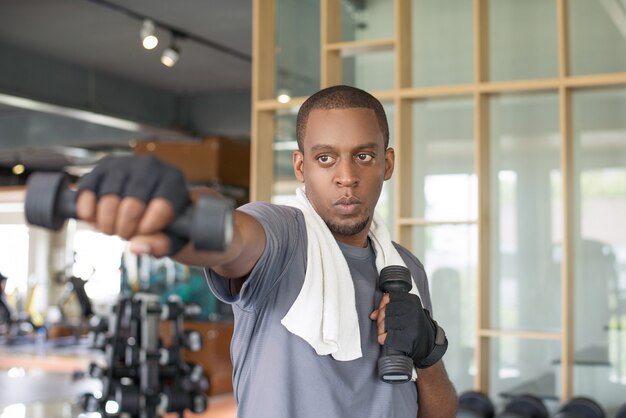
[411,330]
[143,177]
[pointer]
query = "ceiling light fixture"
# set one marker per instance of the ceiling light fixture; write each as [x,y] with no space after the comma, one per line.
[18,169]
[171,54]
[148,34]
[283,96]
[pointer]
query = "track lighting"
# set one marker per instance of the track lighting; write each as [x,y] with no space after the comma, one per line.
[170,56]
[148,34]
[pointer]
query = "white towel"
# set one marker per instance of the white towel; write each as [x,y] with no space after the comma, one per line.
[324,313]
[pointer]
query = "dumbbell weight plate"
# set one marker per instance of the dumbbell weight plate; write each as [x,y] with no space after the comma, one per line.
[525,406]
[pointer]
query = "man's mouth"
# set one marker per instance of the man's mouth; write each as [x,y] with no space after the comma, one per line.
[347,205]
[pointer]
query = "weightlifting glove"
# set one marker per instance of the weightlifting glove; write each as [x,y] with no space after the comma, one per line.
[411,330]
[143,177]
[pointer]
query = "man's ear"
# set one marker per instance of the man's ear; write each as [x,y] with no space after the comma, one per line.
[390,159]
[298,165]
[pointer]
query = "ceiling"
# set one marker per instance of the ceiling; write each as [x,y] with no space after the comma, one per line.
[77,62]
[94,35]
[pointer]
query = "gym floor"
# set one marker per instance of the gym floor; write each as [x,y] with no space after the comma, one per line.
[38,384]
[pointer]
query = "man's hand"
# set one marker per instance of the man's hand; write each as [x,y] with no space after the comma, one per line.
[135,198]
[404,325]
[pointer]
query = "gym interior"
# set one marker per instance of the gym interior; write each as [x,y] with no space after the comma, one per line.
[508,119]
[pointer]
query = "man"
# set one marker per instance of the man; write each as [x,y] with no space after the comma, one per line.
[284,364]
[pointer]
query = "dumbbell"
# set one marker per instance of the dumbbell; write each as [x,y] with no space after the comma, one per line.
[208,224]
[176,400]
[394,366]
[581,408]
[621,412]
[524,406]
[475,405]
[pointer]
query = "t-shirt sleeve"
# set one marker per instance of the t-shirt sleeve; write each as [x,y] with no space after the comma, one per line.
[282,236]
[419,275]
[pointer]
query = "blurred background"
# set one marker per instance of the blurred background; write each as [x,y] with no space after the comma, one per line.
[509,122]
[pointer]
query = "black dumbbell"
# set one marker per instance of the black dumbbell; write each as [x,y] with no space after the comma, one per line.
[475,405]
[581,408]
[525,406]
[621,412]
[208,224]
[176,400]
[394,366]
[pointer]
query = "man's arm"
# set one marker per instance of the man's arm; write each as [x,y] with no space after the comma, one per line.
[241,255]
[437,397]
[137,198]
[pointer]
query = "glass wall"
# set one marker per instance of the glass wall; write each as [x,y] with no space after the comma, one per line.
[441,42]
[449,255]
[525,164]
[297,60]
[521,366]
[443,172]
[600,269]
[597,30]
[366,19]
[522,39]
[494,159]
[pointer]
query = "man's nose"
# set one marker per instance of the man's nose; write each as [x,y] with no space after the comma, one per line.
[346,174]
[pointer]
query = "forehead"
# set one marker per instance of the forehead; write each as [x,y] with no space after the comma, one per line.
[342,126]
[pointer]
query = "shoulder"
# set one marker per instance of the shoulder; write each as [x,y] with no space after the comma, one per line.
[268,210]
[419,274]
[268,213]
[412,262]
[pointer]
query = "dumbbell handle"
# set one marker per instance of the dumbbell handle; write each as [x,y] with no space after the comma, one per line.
[208,224]
[395,366]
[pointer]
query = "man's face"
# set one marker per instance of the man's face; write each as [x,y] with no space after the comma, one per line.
[343,166]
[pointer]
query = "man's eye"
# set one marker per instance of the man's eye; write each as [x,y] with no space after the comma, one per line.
[325,159]
[364,157]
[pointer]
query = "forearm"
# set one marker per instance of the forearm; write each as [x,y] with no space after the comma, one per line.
[241,255]
[437,397]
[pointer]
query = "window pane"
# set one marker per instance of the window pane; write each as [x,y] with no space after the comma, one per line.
[525,367]
[525,164]
[522,39]
[369,71]
[600,267]
[442,42]
[366,19]
[297,47]
[285,143]
[385,207]
[597,36]
[444,181]
[449,254]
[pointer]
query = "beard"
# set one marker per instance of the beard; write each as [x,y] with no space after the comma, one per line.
[347,230]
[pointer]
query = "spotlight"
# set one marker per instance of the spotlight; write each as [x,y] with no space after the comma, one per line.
[170,56]
[147,34]
[283,96]
[18,169]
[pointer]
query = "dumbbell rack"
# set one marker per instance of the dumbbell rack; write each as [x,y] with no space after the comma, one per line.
[142,378]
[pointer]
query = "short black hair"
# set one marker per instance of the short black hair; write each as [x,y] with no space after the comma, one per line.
[340,97]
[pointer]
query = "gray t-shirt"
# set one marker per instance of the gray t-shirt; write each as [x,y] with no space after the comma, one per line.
[277,374]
